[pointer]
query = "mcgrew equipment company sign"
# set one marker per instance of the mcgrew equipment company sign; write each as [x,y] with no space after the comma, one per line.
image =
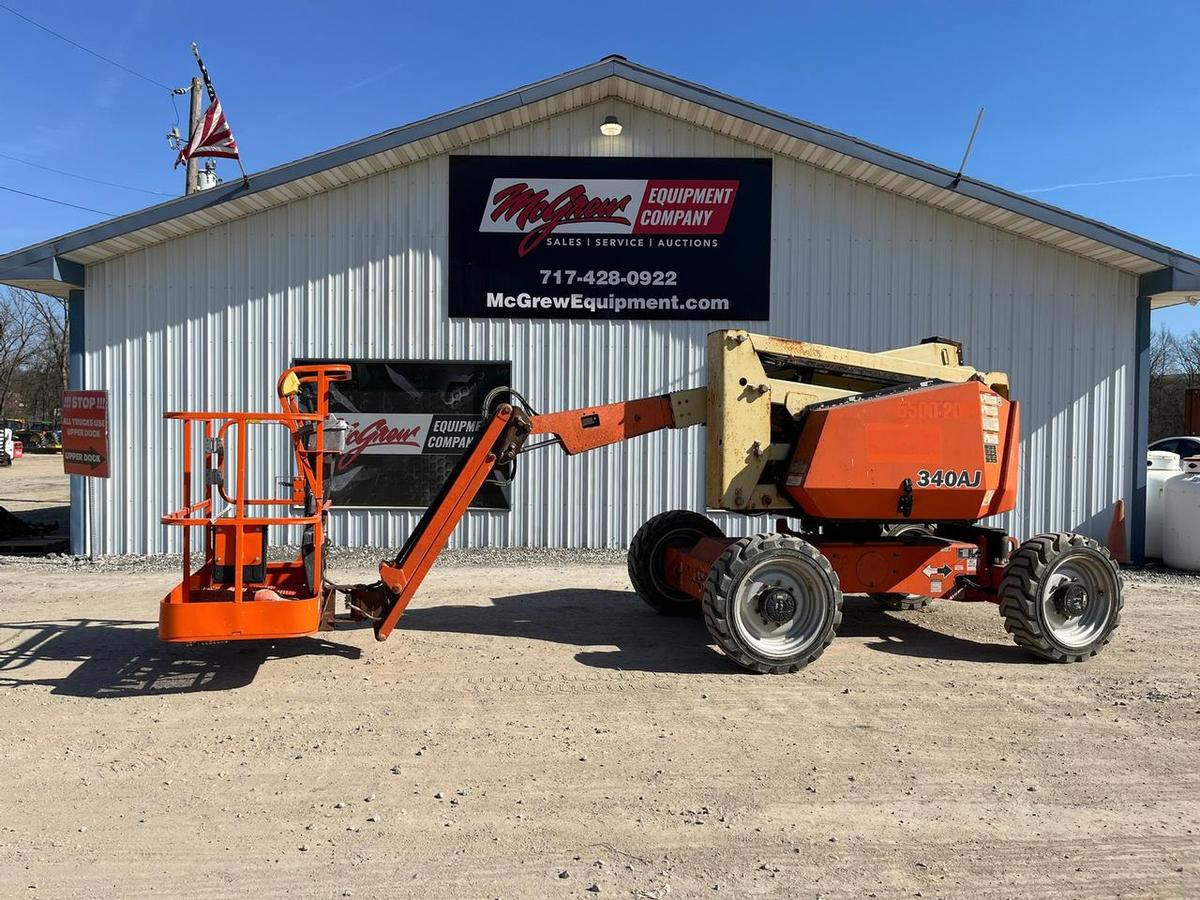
[617,238]
[410,423]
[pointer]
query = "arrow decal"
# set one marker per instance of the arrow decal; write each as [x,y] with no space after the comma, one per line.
[90,457]
[930,571]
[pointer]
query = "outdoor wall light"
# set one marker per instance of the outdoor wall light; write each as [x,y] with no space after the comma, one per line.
[610,127]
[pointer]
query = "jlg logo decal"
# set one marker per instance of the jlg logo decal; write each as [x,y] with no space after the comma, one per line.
[949,478]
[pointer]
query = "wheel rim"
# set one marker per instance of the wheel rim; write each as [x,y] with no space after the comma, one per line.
[1078,599]
[754,599]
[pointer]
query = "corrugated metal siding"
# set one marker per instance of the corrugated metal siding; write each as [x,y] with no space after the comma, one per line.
[207,321]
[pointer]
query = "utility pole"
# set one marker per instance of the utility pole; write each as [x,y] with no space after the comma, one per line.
[191,178]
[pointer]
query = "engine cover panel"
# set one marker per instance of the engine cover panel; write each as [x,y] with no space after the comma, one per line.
[941,452]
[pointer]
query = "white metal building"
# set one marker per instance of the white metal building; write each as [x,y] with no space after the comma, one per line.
[199,302]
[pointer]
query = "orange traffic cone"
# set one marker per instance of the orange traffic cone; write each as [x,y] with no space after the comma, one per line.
[1118,546]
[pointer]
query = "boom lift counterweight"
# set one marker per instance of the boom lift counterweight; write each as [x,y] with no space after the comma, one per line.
[885,462]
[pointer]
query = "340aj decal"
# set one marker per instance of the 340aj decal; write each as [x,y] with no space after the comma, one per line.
[949,478]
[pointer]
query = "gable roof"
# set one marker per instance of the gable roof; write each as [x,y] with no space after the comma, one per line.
[57,265]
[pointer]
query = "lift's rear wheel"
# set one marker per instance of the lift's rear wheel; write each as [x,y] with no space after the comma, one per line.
[904,601]
[772,602]
[1061,597]
[678,528]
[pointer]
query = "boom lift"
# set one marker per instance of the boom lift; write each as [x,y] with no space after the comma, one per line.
[879,467]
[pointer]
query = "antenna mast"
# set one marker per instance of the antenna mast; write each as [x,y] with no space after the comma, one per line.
[967,152]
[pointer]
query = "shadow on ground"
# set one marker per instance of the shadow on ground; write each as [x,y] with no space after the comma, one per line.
[905,634]
[46,515]
[645,640]
[648,642]
[117,658]
[120,658]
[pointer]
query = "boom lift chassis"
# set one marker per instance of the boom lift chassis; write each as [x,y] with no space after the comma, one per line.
[878,466]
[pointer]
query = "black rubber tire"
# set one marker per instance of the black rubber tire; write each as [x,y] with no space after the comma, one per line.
[1020,591]
[902,602]
[723,581]
[681,527]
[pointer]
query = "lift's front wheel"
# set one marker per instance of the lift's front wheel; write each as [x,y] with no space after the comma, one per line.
[772,602]
[1061,597]
[679,528]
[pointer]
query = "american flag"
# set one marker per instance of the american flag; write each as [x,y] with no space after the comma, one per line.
[212,137]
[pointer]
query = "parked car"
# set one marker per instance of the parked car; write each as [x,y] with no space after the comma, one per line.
[8,451]
[31,439]
[1184,445]
[40,441]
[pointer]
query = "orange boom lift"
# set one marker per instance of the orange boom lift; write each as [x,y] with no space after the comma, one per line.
[878,466]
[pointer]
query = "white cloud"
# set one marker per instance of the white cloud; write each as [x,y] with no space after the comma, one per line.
[1083,184]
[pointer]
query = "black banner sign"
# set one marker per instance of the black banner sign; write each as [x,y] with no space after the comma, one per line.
[410,422]
[610,238]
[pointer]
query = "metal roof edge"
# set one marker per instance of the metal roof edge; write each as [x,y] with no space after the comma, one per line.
[50,275]
[1169,281]
[638,74]
[48,268]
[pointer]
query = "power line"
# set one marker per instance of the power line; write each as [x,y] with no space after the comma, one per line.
[111,62]
[52,200]
[84,177]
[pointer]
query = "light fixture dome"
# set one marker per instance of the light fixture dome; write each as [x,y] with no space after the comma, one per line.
[611,126]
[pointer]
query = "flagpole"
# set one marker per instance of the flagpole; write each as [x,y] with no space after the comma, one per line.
[212,96]
[245,177]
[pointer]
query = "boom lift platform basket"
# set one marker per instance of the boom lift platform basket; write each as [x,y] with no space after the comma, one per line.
[237,592]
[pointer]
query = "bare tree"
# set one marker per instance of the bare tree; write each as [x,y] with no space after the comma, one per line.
[1167,384]
[33,351]
[18,340]
[1164,353]
[1187,357]
[51,360]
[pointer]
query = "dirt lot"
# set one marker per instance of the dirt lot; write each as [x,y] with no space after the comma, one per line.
[535,731]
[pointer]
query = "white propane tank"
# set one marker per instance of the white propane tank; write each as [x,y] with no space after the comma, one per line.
[1161,468]
[1181,518]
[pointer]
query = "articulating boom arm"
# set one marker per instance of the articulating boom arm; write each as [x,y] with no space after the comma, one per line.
[497,444]
[578,430]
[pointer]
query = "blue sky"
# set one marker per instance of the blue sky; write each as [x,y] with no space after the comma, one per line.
[1076,93]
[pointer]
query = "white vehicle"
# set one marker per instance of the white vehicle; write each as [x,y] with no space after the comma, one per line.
[1185,445]
[7,452]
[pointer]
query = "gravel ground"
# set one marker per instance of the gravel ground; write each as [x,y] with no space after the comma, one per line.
[533,730]
[365,558]
[340,559]
[539,732]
